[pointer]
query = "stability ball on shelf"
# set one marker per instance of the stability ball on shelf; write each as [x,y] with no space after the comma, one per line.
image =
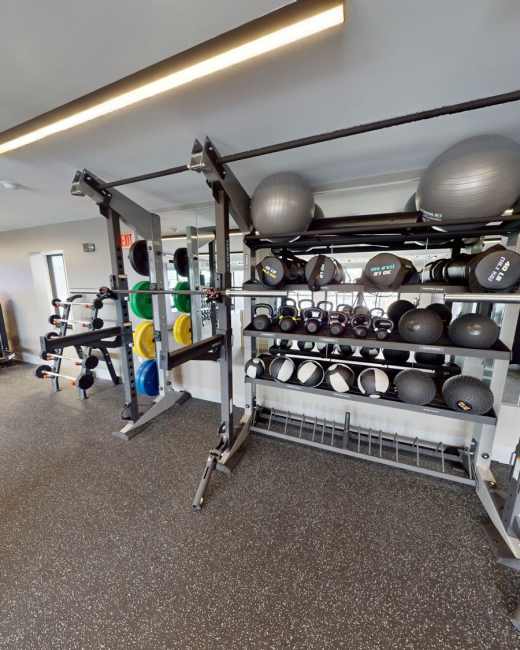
[415,387]
[282,204]
[474,179]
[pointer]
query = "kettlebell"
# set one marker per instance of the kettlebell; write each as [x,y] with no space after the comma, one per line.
[326,306]
[381,325]
[313,318]
[263,321]
[338,321]
[288,316]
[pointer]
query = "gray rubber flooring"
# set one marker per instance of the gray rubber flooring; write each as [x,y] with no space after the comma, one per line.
[299,549]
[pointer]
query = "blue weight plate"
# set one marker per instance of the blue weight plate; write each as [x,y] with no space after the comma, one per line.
[147,379]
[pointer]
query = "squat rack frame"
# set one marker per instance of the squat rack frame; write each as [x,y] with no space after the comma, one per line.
[231,199]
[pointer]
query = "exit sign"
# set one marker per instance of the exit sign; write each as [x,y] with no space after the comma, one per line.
[127,239]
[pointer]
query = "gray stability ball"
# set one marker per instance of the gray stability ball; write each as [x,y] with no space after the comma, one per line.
[282,204]
[474,179]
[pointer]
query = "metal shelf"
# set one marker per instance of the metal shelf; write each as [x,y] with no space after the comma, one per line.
[444,346]
[357,287]
[436,409]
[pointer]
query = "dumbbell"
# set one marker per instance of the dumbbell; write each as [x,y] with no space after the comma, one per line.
[263,321]
[381,324]
[388,271]
[94,324]
[288,316]
[275,271]
[321,270]
[89,362]
[495,269]
[97,303]
[83,381]
[360,322]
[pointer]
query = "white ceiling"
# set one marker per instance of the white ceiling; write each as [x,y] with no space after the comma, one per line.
[392,57]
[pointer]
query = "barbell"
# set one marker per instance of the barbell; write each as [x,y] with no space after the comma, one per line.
[84,382]
[95,324]
[89,362]
[97,303]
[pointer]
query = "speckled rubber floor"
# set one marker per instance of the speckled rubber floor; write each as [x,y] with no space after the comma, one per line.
[298,549]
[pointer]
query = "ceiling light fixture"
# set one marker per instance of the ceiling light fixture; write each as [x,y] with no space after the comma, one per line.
[266,34]
[8,185]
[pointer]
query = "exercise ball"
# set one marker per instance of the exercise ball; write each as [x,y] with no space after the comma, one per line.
[255,368]
[310,373]
[397,309]
[467,394]
[396,356]
[373,382]
[282,369]
[474,179]
[474,331]
[415,387]
[340,378]
[421,326]
[443,311]
[281,204]
[430,358]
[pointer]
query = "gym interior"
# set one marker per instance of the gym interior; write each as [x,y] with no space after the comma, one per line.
[259,340]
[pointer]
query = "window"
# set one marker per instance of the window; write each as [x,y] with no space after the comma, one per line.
[57,276]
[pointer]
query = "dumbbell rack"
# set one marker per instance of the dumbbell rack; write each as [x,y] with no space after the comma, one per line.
[353,234]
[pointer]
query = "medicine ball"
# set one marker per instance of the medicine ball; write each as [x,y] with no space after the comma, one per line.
[467,394]
[340,378]
[255,368]
[282,203]
[310,373]
[443,311]
[344,350]
[474,331]
[369,353]
[430,358]
[421,326]
[373,382]
[474,179]
[396,356]
[306,346]
[397,309]
[282,369]
[415,387]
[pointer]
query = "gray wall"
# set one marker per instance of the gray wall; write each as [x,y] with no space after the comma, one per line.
[26,308]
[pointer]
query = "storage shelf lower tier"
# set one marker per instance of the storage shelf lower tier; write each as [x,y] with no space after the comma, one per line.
[444,346]
[434,409]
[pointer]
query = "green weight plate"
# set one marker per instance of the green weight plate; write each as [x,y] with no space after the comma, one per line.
[141,303]
[182,302]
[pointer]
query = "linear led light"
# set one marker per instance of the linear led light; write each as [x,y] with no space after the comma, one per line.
[271,32]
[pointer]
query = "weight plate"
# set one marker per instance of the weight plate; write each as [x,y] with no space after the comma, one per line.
[181,301]
[141,303]
[138,257]
[180,262]
[182,330]
[144,344]
[147,379]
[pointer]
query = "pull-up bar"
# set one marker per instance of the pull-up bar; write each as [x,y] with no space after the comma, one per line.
[450,109]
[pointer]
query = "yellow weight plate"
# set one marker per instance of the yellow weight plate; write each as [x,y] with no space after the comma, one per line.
[144,344]
[182,330]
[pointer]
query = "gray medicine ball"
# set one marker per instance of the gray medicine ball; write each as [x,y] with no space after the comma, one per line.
[467,394]
[281,204]
[255,368]
[474,331]
[421,326]
[373,382]
[415,387]
[474,179]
